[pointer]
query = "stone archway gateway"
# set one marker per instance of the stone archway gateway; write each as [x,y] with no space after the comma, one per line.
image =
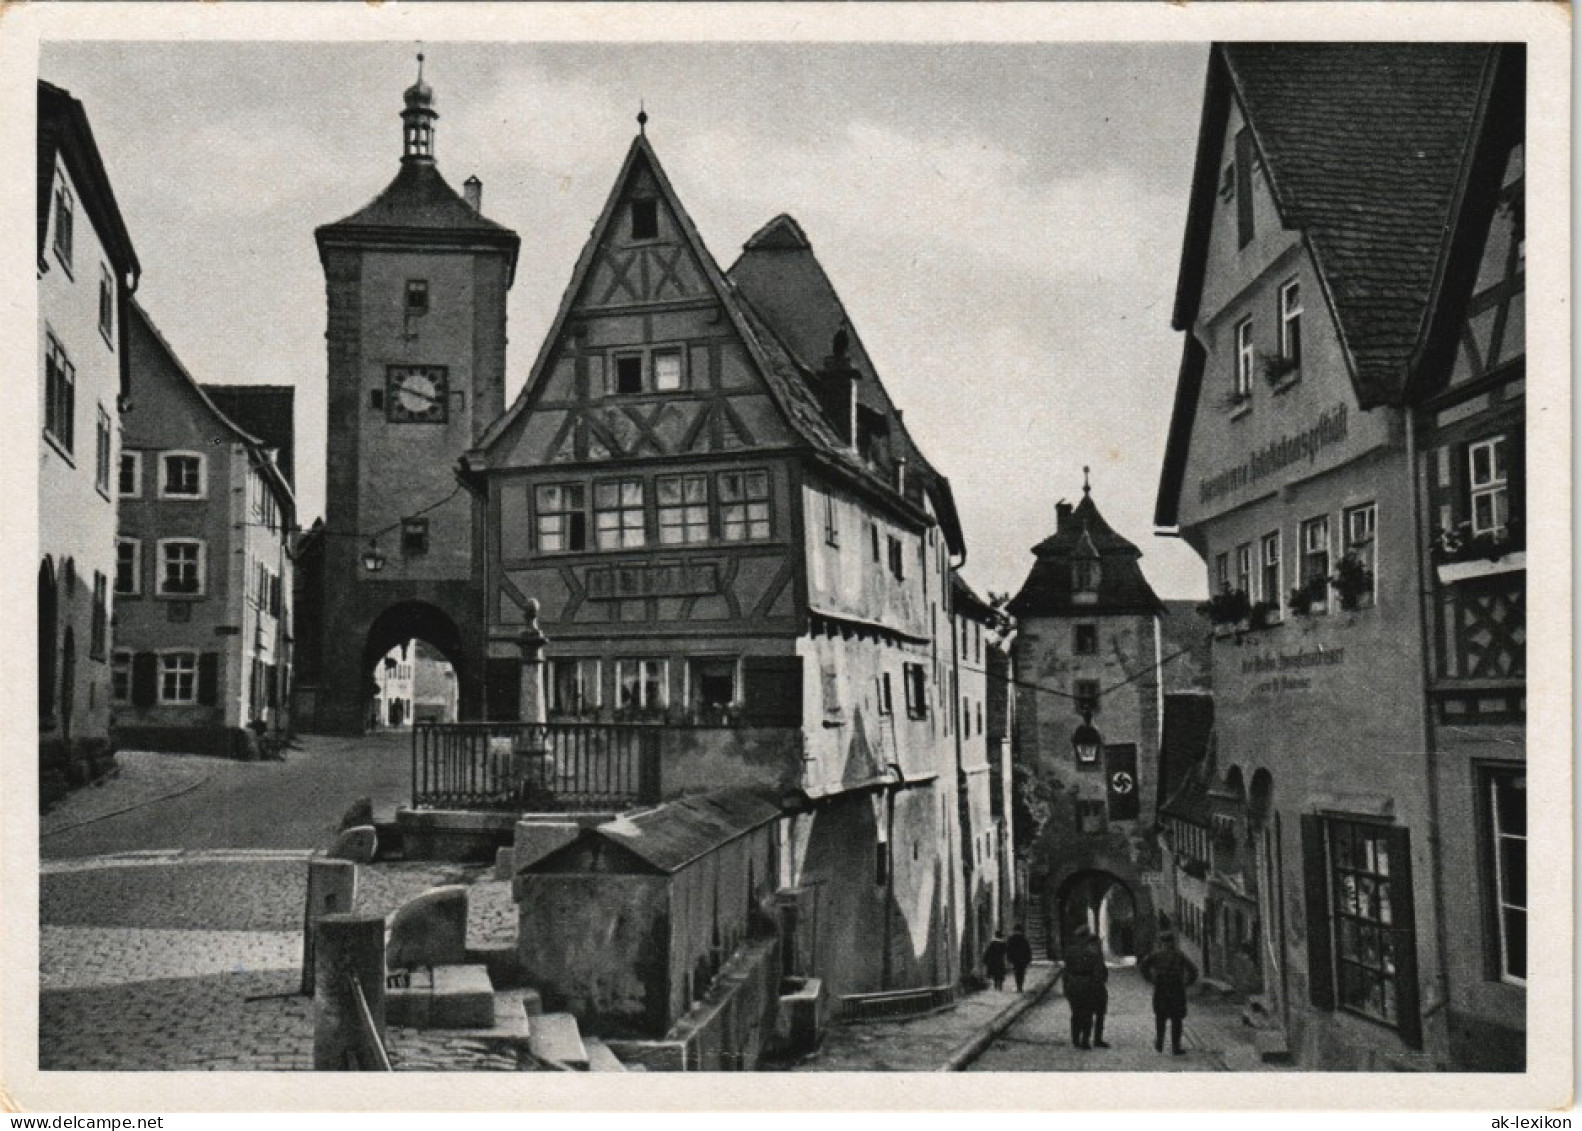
[412,620]
[1104,903]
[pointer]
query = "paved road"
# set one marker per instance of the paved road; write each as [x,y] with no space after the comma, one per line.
[292,804]
[1040,1041]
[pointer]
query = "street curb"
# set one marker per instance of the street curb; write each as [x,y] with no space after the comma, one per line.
[973,1047]
[188,788]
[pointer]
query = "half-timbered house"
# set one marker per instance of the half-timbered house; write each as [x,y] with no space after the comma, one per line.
[727,529]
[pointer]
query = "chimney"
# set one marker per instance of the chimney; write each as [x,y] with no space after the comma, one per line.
[472,192]
[837,391]
[1062,515]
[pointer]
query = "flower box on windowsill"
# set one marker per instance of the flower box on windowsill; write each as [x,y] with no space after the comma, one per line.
[1451,572]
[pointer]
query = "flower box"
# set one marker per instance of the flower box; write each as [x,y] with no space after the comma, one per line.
[1452,572]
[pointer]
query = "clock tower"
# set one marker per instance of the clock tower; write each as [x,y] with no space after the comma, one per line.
[416,285]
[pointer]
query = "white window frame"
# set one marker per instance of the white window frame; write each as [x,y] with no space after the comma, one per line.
[1221,572]
[547,530]
[164,476]
[137,567]
[137,474]
[1245,356]
[743,511]
[165,657]
[164,544]
[1494,486]
[1291,317]
[641,664]
[60,396]
[1366,548]
[1243,568]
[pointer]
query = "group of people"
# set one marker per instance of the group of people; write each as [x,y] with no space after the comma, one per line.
[1086,976]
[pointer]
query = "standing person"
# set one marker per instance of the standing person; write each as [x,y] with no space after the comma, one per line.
[1085,976]
[994,960]
[1019,952]
[1171,972]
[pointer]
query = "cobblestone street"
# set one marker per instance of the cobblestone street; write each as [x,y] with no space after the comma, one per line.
[171,911]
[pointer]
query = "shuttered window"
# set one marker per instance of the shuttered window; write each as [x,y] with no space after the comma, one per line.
[1361,922]
[772,690]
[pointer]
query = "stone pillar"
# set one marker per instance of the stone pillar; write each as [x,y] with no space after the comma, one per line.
[332,888]
[533,703]
[347,949]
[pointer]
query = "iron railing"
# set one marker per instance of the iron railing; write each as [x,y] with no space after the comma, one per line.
[534,767]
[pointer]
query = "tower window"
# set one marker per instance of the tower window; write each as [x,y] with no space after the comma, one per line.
[645,219]
[417,296]
[414,536]
[1087,641]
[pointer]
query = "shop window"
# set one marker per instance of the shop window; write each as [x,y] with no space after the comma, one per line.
[916,690]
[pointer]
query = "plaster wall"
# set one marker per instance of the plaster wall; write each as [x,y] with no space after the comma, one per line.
[78,519]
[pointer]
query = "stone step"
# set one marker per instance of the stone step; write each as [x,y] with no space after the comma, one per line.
[443,997]
[556,1038]
[600,1058]
[1272,1047]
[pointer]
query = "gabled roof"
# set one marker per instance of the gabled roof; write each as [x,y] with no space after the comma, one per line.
[255,446]
[785,284]
[266,411]
[1081,530]
[63,129]
[785,372]
[1366,148]
[675,834]
[420,207]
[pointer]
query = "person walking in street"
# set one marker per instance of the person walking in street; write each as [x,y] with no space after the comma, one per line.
[1019,952]
[1085,975]
[994,960]
[1171,972]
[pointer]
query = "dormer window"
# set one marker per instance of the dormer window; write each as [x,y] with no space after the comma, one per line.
[1085,577]
[645,219]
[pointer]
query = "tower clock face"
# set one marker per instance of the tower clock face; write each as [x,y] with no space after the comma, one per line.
[416,394]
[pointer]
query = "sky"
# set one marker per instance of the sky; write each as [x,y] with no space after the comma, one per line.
[1002,221]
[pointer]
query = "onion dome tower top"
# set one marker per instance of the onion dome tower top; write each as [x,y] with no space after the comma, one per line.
[418,120]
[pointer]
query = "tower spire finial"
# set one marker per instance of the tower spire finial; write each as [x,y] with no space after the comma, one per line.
[642,118]
[1086,489]
[420,66]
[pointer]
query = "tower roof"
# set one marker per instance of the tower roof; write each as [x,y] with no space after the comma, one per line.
[1082,532]
[419,206]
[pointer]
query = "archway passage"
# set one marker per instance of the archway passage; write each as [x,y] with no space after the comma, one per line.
[1103,903]
[400,638]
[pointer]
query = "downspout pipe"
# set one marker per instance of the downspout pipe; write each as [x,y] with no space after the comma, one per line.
[1425,593]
